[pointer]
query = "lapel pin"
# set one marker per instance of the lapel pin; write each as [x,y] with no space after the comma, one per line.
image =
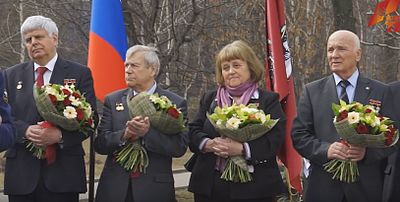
[367,88]
[19,85]
[119,106]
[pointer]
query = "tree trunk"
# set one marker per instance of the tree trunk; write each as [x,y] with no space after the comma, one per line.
[343,15]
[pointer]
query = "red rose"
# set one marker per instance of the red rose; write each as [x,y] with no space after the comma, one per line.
[342,115]
[89,122]
[389,138]
[76,95]
[67,102]
[172,111]
[66,92]
[79,114]
[53,99]
[368,110]
[362,129]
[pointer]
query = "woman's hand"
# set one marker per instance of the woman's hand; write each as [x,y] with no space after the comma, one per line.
[226,147]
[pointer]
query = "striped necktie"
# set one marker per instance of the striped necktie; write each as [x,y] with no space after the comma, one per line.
[343,94]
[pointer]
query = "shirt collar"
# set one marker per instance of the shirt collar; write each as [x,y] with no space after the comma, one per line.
[149,91]
[352,79]
[50,65]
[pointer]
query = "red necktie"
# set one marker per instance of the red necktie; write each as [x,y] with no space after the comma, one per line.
[39,79]
[50,151]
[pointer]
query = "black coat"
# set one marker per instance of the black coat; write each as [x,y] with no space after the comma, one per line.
[267,181]
[23,170]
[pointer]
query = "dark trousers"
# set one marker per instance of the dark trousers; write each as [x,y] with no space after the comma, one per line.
[129,196]
[220,193]
[42,194]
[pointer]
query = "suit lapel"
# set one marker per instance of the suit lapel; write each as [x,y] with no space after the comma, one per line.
[60,72]
[125,103]
[27,81]
[329,91]
[363,90]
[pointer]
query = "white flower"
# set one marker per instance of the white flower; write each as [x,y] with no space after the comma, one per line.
[250,110]
[70,112]
[353,117]
[261,117]
[75,102]
[233,123]
[219,122]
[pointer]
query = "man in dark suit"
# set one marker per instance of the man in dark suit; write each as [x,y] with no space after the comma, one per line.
[6,129]
[116,129]
[391,188]
[314,135]
[28,179]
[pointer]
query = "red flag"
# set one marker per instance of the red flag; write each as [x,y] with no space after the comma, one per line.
[279,79]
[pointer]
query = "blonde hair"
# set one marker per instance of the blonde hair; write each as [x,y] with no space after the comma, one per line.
[239,50]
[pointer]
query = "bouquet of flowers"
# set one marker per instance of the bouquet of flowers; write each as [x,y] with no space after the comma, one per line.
[163,115]
[62,106]
[241,123]
[359,125]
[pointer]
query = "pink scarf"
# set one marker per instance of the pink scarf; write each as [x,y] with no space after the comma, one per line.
[244,90]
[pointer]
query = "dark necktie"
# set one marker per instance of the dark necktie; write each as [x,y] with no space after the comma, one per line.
[343,94]
[40,79]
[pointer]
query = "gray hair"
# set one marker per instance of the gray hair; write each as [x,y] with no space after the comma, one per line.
[39,22]
[150,55]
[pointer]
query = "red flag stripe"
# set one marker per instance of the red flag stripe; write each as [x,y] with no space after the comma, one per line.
[282,84]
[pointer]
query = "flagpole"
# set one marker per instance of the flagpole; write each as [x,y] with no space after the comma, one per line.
[92,155]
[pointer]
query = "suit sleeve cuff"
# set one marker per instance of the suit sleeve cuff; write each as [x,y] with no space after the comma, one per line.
[203,143]
[246,150]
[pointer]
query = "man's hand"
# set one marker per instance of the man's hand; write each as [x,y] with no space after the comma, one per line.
[338,150]
[356,153]
[43,136]
[136,127]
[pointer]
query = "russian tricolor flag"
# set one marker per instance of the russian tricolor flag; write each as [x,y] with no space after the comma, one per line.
[107,47]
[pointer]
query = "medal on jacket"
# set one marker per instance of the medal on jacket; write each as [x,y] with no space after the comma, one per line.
[119,106]
[5,97]
[19,85]
[69,82]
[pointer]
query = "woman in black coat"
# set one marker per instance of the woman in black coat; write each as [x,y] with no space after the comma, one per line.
[237,71]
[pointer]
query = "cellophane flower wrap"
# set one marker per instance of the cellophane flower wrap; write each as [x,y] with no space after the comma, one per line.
[359,125]
[241,123]
[163,115]
[62,106]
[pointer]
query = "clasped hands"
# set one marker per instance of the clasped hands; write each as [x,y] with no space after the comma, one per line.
[43,137]
[340,151]
[136,128]
[223,147]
